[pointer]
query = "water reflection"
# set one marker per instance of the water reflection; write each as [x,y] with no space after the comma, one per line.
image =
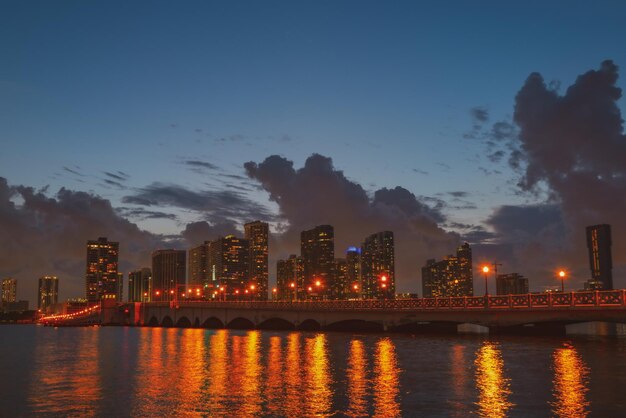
[357,379]
[216,394]
[493,386]
[293,376]
[319,394]
[459,374]
[249,392]
[386,380]
[67,380]
[274,379]
[570,383]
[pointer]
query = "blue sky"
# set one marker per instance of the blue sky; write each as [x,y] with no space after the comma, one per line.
[383,88]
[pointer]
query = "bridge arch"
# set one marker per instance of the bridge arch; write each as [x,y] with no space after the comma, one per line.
[196,323]
[167,322]
[153,322]
[183,322]
[213,323]
[240,323]
[310,325]
[355,325]
[277,324]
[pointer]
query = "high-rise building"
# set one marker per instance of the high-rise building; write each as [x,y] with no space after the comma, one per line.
[353,267]
[101,278]
[198,268]
[511,284]
[600,259]
[341,287]
[378,266]
[139,285]
[257,234]
[168,273]
[452,276]
[48,292]
[229,267]
[290,278]
[317,248]
[9,290]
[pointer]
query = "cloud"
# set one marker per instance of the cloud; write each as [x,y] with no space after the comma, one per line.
[216,205]
[47,235]
[418,171]
[197,164]
[318,193]
[120,176]
[195,233]
[69,170]
[570,148]
[143,214]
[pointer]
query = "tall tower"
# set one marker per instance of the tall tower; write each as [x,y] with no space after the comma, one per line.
[354,265]
[378,266]
[168,273]
[229,266]
[9,290]
[600,259]
[48,292]
[257,234]
[101,278]
[198,268]
[317,247]
[140,285]
[290,278]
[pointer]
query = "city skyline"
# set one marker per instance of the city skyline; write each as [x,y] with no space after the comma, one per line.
[420,128]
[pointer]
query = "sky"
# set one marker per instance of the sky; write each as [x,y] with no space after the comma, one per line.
[162,124]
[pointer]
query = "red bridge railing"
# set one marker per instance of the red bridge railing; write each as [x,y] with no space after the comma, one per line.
[608,298]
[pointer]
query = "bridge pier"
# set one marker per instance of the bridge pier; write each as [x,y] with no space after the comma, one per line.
[472,329]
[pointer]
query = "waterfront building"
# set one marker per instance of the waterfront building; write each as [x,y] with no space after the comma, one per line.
[290,278]
[452,276]
[140,285]
[101,277]
[168,274]
[257,234]
[229,267]
[198,267]
[353,267]
[600,259]
[48,294]
[341,287]
[378,266]
[511,284]
[317,248]
[9,290]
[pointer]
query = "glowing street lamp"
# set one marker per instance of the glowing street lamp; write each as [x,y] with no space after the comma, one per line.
[486,272]
[562,275]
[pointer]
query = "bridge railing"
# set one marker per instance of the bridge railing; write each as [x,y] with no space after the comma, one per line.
[609,298]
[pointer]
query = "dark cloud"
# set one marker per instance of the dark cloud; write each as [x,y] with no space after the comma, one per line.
[212,204]
[118,177]
[201,164]
[143,214]
[418,171]
[69,170]
[320,194]
[458,194]
[479,114]
[571,148]
[115,184]
[47,235]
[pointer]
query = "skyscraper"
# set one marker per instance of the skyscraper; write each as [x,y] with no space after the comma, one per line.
[257,234]
[353,266]
[378,266]
[101,278]
[139,285]
[290,278]
[168,273]
[229,267]
[198,268]
[511,284]
[9,290]
[600,259]
[340,287]
[317,248]
[452,276]
[48,292]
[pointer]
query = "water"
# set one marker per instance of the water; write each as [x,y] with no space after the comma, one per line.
[115,371]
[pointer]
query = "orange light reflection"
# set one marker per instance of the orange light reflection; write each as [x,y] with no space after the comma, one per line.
[493,386]
[386,380]
[570,384]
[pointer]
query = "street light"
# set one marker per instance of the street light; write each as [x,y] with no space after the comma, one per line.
[562,275]
[485,272]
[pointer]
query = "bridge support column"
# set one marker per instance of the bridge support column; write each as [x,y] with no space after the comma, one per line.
[472,329]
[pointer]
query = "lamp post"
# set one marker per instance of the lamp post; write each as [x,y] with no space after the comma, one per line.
[486,272]
[562,276]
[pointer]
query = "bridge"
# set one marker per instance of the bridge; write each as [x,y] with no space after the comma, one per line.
[543,312]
